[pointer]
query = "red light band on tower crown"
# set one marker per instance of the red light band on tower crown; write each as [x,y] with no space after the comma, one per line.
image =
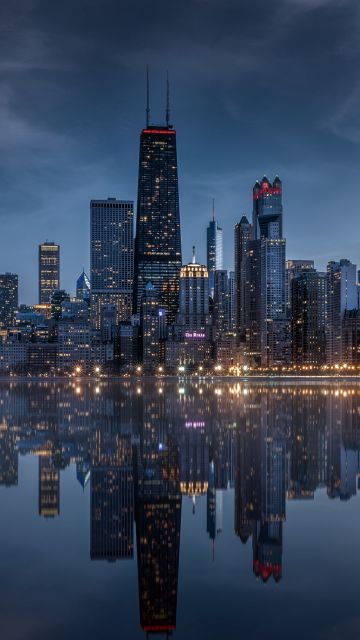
[267,191]
[161,131]
[159,628]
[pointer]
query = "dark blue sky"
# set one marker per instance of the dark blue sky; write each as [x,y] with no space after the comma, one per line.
[257,87]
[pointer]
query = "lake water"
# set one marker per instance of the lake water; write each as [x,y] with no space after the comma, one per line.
[181,509]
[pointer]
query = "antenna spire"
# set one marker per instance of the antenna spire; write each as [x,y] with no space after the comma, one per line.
[213,209]
[193,255]
[147,97]
[167,100]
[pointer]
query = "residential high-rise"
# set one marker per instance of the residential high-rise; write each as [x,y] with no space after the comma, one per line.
[158,241]
[112,257]
[341,296]
[292,269]
[8,298]
[242,233]
[49,271]
[308,304]
[214,251]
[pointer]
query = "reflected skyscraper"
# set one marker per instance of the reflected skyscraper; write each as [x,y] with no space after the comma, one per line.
[49,487]
[158,521]
[112,497]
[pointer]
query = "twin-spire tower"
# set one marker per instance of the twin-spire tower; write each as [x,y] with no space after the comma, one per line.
[158,240]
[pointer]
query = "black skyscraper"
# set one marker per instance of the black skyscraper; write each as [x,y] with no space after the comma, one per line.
[158,241]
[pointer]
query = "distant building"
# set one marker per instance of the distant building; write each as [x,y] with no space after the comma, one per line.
[57,299]
[111,257]
[8,299]
[83,287]
[49,271]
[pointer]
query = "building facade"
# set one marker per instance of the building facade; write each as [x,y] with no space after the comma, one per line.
[112,257]
[49,271]
[214,251]
[158,240]
[9,299]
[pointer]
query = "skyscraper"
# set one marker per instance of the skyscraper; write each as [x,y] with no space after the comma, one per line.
[214,251]
[308,304]
[152,317]
[221,303]
[158,241]
[341,297]
[194,295]
[112,257]
[242,234]
[267,209]
[292,269]
[267,226]
[83,287]
[8,298]
[49,271]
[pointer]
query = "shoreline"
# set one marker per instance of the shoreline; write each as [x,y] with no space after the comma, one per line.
[183,378]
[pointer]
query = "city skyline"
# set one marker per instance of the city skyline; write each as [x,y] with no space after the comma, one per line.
[57,152]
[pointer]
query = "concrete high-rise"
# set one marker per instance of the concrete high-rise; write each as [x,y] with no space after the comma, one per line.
[111,257]
[8,298]
[158,240]
[49,271]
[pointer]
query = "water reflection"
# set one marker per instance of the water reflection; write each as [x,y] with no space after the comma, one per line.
[145,448]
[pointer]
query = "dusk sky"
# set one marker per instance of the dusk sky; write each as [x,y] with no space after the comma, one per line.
[256,88]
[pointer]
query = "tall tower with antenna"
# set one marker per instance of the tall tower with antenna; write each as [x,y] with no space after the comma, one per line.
[158,240]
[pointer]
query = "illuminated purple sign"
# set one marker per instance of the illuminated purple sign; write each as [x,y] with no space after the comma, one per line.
[194,425]
[194,334]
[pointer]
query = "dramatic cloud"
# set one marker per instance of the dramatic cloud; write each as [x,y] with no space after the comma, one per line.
[254,89]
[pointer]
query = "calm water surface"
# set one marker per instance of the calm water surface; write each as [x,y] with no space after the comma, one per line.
[179,509]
